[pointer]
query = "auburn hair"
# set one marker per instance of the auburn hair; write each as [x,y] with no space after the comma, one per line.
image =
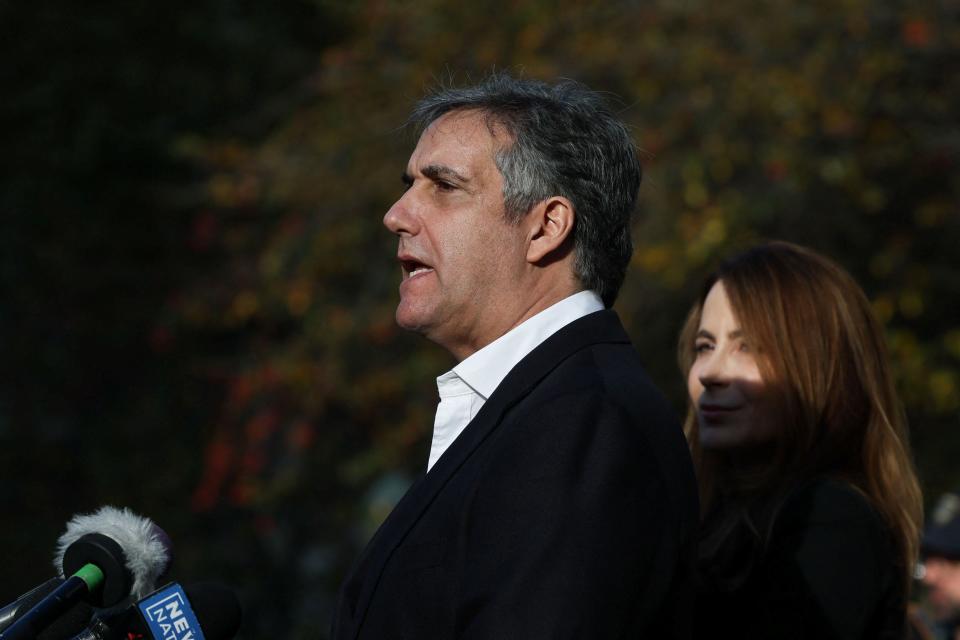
[822,351]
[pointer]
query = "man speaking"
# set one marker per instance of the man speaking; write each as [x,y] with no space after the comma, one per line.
[559,500]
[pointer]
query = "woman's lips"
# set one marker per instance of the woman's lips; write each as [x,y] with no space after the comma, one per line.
[715,413]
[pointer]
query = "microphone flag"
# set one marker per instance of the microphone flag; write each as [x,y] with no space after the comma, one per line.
[169,615]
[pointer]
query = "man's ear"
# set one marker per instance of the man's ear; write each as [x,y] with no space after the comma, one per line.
[551,223]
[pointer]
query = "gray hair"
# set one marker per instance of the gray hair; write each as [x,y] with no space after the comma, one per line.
[565,142]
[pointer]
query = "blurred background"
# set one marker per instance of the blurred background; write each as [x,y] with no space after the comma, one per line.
[197,293]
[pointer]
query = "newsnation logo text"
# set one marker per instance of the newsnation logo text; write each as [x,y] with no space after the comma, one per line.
[169,616]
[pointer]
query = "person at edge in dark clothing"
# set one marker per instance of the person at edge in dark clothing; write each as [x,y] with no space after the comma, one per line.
[811,509]
[939,571]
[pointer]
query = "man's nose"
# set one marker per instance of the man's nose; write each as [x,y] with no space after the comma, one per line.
[400,218]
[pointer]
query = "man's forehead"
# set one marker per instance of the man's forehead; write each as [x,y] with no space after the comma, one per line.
[471,119]
[462,139]
[470,127]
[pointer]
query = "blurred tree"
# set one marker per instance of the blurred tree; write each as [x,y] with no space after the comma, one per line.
[830,126]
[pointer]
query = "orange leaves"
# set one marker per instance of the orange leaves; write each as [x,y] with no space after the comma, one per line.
[917,32]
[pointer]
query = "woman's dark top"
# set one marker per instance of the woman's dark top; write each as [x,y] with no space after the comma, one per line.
[828,571]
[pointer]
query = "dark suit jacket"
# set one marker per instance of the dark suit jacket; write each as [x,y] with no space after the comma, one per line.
[566,509]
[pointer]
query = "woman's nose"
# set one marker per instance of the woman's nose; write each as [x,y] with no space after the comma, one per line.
[713,370]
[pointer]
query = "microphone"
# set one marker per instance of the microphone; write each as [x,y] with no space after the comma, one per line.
[25,602]
[146,548]
[110,555]
[202,611]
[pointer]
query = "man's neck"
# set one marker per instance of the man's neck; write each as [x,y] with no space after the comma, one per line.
[532,305]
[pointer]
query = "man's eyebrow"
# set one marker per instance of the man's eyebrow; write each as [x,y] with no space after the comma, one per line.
[437,173]
[441,172]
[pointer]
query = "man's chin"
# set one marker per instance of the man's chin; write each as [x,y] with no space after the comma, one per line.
[410,320]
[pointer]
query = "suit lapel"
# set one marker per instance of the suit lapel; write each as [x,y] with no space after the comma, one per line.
[595,328]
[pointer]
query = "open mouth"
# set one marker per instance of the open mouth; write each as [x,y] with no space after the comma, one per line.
[413,268]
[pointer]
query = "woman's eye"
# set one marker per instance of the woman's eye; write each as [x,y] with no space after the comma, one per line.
[702,347]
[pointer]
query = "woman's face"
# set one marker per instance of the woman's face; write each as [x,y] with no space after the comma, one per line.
[735,410]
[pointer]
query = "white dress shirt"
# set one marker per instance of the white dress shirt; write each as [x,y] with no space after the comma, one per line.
[465,388]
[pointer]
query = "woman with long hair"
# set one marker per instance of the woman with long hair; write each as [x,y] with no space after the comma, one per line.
[811,509]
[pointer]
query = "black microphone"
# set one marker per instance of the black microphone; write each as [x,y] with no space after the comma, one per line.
[202,611]
[110,555]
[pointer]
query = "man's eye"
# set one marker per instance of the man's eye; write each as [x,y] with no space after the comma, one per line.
[444,186]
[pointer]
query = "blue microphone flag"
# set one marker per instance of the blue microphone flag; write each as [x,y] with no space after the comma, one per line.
[169,616]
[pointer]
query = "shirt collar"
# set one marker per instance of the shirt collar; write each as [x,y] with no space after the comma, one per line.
[485,370]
